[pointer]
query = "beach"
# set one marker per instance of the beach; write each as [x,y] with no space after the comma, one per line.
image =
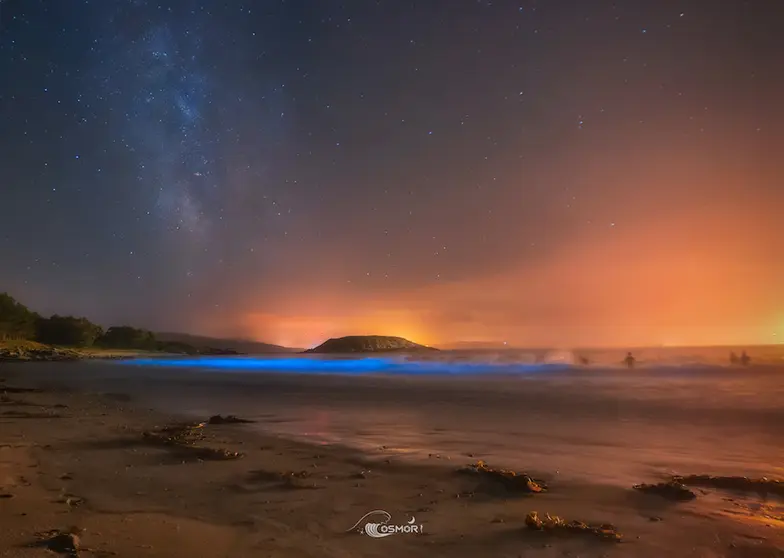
[323,450]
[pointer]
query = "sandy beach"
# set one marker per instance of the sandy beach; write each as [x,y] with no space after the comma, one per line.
[74,457]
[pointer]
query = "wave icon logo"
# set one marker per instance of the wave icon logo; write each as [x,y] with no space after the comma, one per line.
[384,528]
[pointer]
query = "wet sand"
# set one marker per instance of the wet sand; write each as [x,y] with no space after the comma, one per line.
[74,455]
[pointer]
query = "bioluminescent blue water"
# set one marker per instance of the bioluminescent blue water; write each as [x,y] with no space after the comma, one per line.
[368,365]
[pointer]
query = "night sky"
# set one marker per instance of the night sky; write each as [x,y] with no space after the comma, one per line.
[560,173]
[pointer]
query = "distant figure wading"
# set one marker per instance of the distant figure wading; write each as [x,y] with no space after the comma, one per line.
[629,360]
[743,360]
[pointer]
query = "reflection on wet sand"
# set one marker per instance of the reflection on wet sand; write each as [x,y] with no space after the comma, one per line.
[391,431]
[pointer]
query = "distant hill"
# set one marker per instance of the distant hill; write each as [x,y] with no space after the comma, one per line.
[243,346]
[368,344]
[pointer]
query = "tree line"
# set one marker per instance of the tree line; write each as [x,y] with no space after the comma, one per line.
[17,322]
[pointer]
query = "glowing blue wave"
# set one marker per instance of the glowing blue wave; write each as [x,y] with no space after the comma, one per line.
[369,365]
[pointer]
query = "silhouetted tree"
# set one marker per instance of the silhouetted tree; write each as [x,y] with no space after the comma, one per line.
[67,330]
[126,337]
[16,320]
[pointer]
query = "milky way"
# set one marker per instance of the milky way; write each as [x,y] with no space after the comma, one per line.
[524,171]
[156,128]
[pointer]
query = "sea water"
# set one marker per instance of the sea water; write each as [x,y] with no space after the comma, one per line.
[679,411]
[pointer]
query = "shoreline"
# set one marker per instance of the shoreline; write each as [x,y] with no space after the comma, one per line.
[74,458]
[31,351]
[39,352]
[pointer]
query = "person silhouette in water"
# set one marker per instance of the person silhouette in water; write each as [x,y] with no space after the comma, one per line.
[744,359]
[734,358]
[629,360]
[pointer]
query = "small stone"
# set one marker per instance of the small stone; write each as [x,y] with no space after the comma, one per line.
[741,484]
[510,480]
[63,543]
[555,524]
[672,490]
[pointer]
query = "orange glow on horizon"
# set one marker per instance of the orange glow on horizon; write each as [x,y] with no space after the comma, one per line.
[309,331]
[704,275]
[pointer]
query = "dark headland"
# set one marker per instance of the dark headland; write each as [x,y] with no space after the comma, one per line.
[369,344]
[26,335]
[217,345]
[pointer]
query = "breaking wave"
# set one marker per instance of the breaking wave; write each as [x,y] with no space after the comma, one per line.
[473,362]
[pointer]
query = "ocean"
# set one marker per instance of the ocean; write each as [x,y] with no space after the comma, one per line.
[678,411]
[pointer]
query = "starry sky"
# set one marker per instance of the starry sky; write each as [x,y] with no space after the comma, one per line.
[542,173]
